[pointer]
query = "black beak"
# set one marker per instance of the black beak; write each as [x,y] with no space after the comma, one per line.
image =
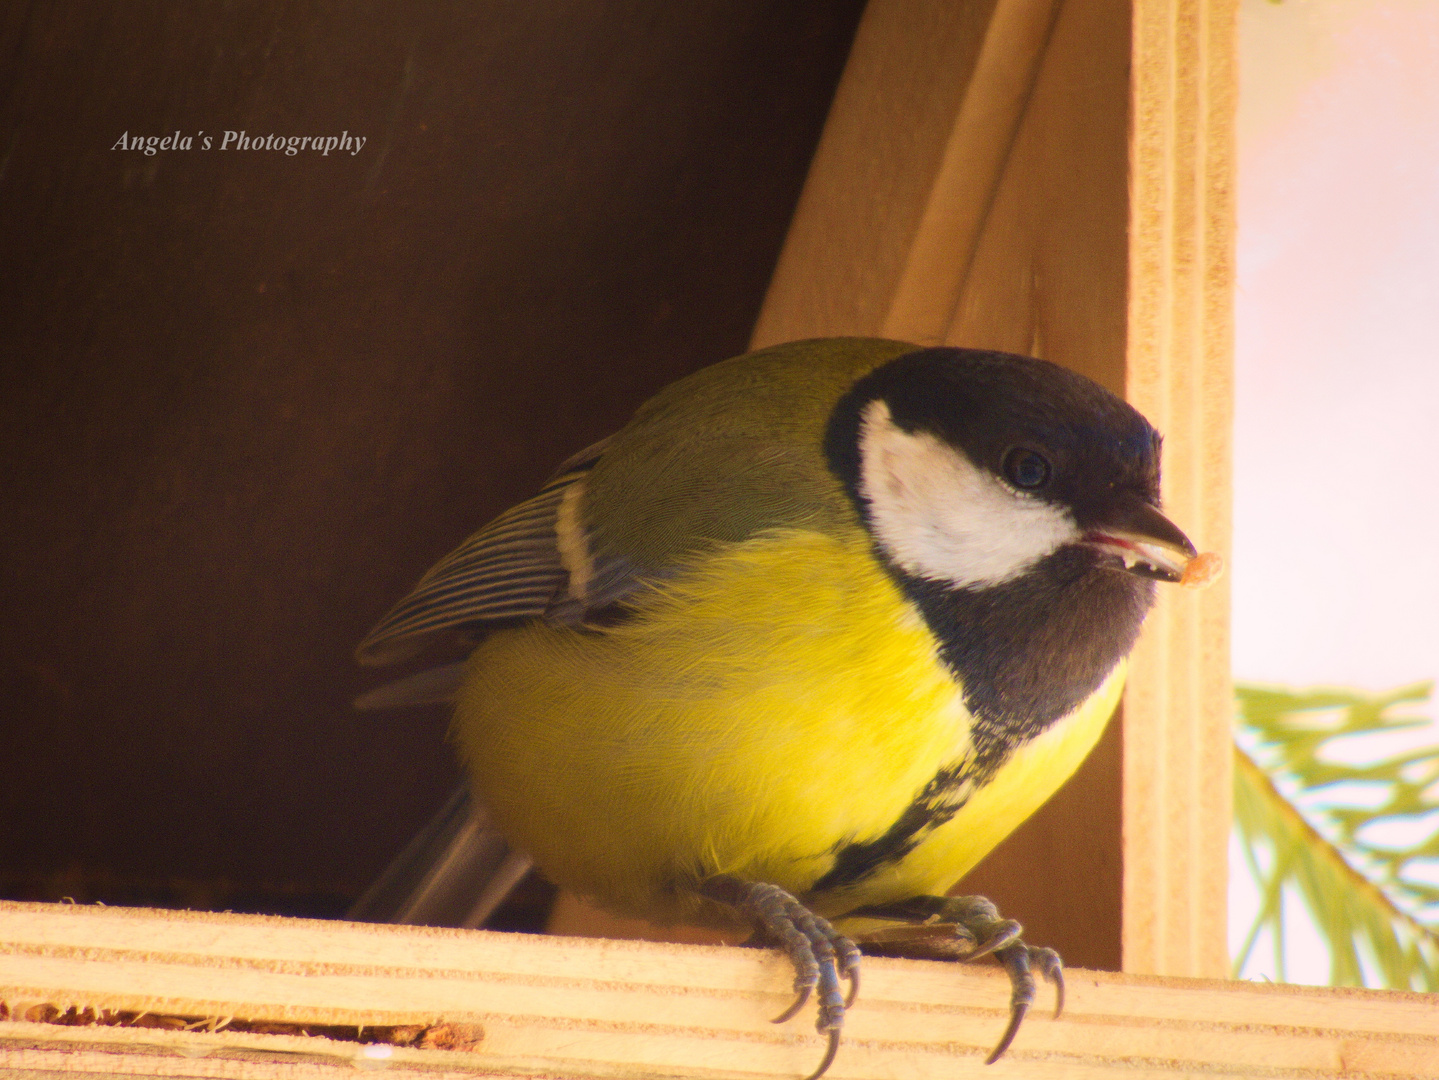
[1141,540]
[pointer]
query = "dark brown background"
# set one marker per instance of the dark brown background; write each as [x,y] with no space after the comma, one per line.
[246,398]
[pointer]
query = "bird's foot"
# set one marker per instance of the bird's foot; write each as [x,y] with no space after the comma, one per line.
[967,928]
[1021,961]
[821,955]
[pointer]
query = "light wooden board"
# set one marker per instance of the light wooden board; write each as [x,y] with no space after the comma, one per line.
[1179,714]
[585,1007]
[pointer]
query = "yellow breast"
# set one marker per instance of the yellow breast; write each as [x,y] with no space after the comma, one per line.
[759,712]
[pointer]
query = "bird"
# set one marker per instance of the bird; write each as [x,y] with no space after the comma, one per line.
[799,645]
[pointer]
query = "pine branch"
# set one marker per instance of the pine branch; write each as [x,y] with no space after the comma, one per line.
[1356,891]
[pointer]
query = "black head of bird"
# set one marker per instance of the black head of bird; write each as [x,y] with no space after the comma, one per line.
[1017,503]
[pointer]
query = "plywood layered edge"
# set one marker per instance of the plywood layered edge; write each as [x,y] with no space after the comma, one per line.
[1178,709]
[570,1007]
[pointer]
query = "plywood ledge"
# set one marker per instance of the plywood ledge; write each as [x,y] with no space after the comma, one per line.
[577,1007]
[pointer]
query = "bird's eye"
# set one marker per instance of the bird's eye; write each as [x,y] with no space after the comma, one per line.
[1026,470]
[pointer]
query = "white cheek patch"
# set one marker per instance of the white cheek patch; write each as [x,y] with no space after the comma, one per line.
[939,516]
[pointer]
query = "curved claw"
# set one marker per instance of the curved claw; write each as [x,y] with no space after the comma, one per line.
[789,1014]
[1050,966]
[973,921]
[829,1053]
[821,956]
[1003,933]
[852,974]
[1016,1017]
[847,956]
[1019,960]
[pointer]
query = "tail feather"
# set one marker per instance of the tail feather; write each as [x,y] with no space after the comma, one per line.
[435,686]
[455,872]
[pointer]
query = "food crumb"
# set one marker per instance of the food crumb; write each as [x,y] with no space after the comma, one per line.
[1203,570]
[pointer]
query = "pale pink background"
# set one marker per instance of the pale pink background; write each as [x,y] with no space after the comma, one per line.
[1336,554]
[1336,547]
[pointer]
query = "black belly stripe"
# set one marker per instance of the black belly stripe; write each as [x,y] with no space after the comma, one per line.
[942,798]
[1026,654]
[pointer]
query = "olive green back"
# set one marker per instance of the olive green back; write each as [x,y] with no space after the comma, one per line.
[727,452]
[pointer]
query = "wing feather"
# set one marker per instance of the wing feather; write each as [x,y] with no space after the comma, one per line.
[510,569]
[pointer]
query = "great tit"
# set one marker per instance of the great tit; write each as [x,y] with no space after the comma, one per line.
[804,641]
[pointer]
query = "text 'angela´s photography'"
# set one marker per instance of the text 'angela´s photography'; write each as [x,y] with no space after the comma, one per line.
[242,140]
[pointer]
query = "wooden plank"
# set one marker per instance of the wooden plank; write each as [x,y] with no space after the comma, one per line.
[585,1007]
[1179,706]
[871,185]
[1018,45]
[1049,276]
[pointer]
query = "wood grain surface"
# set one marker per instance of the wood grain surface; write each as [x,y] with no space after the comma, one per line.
[582,1007]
